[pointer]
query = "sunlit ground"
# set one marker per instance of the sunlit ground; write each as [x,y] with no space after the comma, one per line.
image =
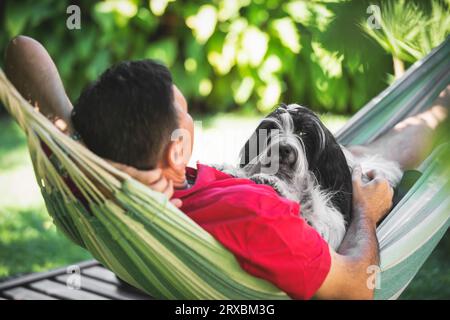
[29,241]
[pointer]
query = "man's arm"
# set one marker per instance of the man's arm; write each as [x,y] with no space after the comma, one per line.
[348,275]
[31,70]
[349,272]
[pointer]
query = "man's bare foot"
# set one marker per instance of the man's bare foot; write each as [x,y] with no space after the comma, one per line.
[433,116]
[412,139]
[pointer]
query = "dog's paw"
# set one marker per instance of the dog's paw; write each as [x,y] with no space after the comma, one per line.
[272,181]
[261,179]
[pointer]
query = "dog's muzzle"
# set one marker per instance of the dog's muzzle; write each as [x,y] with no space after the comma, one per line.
[288,154]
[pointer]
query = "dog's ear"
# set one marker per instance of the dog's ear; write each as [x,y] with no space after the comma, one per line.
[244,154]
[333,174]
[251,147]
[325,158]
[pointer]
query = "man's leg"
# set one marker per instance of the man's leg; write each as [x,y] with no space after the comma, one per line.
[412,139]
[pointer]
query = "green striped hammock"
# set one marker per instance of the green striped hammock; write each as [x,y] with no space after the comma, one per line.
[152,245]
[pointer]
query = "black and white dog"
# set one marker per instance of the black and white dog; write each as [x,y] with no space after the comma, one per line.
[292,151]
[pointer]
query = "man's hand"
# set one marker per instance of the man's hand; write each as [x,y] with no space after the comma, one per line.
[152,179]
[349,275]
[372,199]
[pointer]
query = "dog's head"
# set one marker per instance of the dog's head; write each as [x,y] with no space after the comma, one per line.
[292,139]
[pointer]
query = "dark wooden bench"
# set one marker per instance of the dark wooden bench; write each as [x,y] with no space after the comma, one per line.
[96,283]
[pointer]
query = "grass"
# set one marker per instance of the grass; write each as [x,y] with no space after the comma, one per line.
[29,242]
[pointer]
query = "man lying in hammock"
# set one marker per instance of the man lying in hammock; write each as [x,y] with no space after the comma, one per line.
[129,114]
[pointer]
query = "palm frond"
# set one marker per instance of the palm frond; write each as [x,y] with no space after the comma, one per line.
[407,31]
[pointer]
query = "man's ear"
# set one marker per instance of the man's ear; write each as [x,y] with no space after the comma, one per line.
[175,156]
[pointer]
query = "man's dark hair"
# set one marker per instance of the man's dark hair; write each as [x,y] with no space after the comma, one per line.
[128,114]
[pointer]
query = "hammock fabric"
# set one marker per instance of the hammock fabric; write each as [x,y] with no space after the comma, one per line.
[152,245]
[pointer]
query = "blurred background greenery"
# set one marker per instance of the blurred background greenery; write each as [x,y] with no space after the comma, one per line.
[232,59]
[237,55]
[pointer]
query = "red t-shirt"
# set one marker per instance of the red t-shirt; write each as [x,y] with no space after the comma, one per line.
[262,229]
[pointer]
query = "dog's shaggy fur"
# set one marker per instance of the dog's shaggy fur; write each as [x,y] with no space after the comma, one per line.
[292,151]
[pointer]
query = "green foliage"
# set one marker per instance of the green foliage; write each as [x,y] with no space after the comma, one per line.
[242,55]
[432,282]
[409,30]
